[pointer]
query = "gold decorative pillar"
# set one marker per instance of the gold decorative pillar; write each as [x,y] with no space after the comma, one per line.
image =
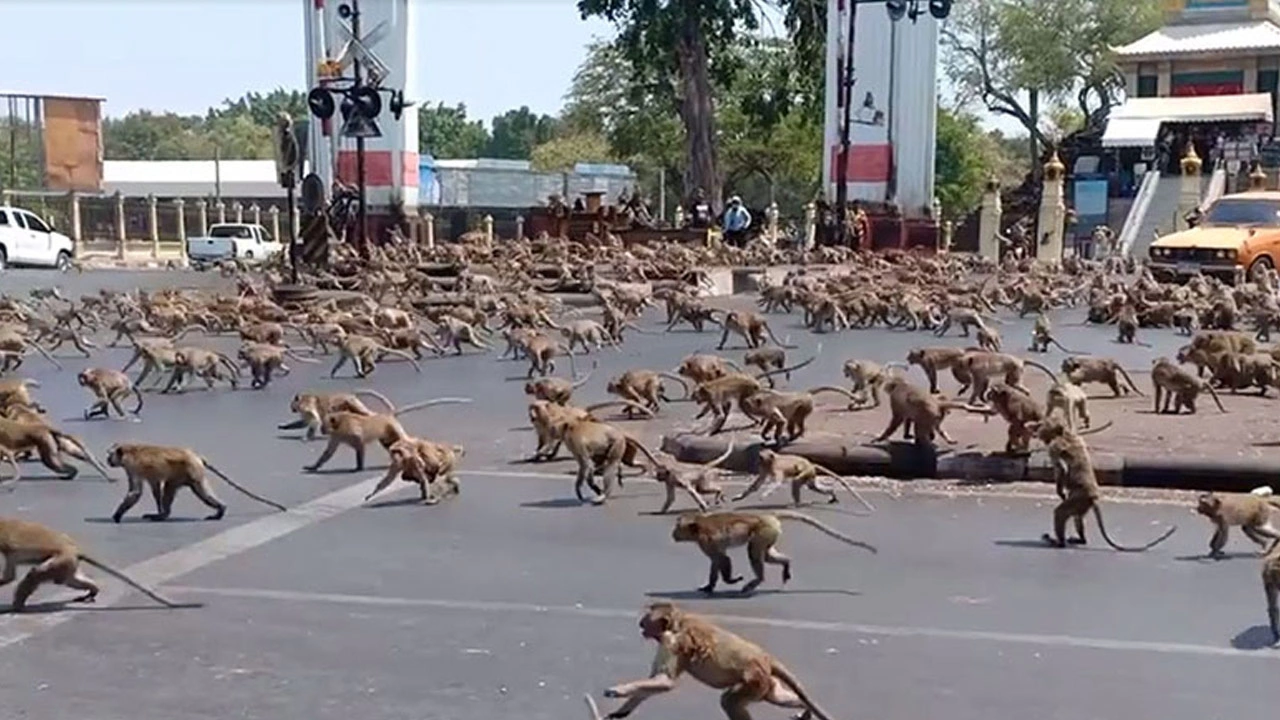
[1257,178]
[1189,196]
[989,222]
[1053,211]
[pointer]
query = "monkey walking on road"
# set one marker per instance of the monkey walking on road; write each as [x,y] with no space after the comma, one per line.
[1250,512]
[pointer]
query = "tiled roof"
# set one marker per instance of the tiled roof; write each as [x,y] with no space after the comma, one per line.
[1206,38]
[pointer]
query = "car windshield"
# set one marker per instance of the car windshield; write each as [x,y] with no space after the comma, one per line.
[1241,211]
[230,231]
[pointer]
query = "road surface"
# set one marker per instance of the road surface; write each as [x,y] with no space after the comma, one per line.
[514,600]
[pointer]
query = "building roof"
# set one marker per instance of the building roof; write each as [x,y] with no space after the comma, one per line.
[191,178]
[57,96]
[1136,123]
[1205,38]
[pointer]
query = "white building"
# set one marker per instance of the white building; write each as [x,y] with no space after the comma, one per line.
[192,178]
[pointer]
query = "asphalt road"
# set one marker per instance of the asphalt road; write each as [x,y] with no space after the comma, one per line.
[515,600]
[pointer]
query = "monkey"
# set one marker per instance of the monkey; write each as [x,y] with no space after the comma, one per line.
[918,413]
[128,327]
[541,352]
[867,378]
[207,364]
[701,368]
[715,657]
[988,339]
[1077,486]
[452,331]
[263,359]
[1127,327]
[557,390]
[1070,400]
[766,359]
[14,391]
[717,396]
[61,335]
[698,482]
[19,437]
[108,387]
[598,446]
[716,533]
[965,317]
[1080,370]
[779,411]
[166,470]
[1178,386]
[751,326]
[1251,512]
[777,468]
[549,420]
[932,360]
[1020,411]
[1271,586]
[57,559]
[364,353]
[156,354]
[586,333]
[313,408]
[357,431]
[1042,336]
[644,387]
[983,366]
[423,462]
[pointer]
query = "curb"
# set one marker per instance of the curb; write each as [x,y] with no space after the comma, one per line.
[906,461]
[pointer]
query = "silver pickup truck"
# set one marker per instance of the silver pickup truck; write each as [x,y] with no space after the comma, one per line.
[244,241]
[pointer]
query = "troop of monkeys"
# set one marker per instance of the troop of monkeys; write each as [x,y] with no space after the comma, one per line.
[367,330]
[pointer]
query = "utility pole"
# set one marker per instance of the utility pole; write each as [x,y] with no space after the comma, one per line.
[846,92]
[362,227]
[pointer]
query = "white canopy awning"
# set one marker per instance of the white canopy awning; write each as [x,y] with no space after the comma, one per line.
[1137,122]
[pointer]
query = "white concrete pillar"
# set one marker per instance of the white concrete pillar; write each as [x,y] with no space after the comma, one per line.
[989,216]
[1189,193]
[1053,210]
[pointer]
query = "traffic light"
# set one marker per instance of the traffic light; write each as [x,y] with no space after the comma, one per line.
[939,9]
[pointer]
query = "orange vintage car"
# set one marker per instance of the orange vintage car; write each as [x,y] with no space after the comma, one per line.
[1240,231]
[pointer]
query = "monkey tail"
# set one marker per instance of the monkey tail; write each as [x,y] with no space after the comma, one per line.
[653,461]
[1044,369]
[592,708]
[852,491]
[1097,513]
[723,456]
[138,394]
[430,403]
[776,341]
[738,368]
[391,408]
[1063,349]
[782,673]
[610,403]
[583,380]
[242,488]
[44,352]
[403,354]
[785,370]
[823,528]
[230,364]
[684,385]
[1095,429]
[1132,385]
[299,358]
[117,574]
[1214,394]
[832,388]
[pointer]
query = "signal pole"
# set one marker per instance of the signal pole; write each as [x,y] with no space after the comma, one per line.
[362,218]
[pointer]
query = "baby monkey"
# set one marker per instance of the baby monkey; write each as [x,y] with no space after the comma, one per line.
[716,533]
[1252,513]
[109,387]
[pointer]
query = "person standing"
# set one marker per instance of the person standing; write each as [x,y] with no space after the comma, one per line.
[737,220]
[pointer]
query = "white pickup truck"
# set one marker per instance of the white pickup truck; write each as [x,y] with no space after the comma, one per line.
[244,241]
[25,239]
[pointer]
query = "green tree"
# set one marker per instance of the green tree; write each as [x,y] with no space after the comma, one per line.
[21,164]
[560,154]
[144,135]
[962,164]
[1019,56]
[445,132]
[263,108]
[515,133]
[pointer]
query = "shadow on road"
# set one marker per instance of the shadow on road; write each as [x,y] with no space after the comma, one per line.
[1042,545]
[1257,637]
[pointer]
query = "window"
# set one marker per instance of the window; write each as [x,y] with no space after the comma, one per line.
[4,218]
[35,223]
[19,220]
[1148,85]
[1236,212]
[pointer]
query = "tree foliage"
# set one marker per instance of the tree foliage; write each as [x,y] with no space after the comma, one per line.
[560,154]
[446,132]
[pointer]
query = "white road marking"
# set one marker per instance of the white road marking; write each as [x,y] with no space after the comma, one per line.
[844,628]
[164,568]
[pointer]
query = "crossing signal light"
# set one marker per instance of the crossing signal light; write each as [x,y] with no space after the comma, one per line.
[897,9]
[939,9]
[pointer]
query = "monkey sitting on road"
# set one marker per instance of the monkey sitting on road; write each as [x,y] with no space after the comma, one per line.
[166,470]
[422,462]
[716,533]
[717,658]
[57,559]
[1252,513]
[108,387]
[777,468]
[1077,485]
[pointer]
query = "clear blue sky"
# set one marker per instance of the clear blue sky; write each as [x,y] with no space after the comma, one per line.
[186,55]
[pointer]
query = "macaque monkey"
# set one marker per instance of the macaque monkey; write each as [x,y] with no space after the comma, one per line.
[918,413]
[964,317]
[1042,336]
[14,391]
[715,657]
[766,359]
[422,462]
[1127,327]
[263,360]
[453,332]
[644,387]
[1080,370]
[61,335]
[313,408]
[1252,513]
[751,326]
[988,339]
[549,420]
[1020,411]
[697,482]
[586,333]
[932,360]
[867,378]
[156,354]
[985,366]
[365,353]
[22,436]
[166,470]
[702,368]
[717,396]
[206,364]
[57,559]
[1173,384]
[358,431]
[109,387]
[777,468]
[557,390]
[1077,485]
[598,447]
[716,533]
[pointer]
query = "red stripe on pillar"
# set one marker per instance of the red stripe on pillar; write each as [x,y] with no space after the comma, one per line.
[409,169]
[377,167]
[319,4]
[867,163]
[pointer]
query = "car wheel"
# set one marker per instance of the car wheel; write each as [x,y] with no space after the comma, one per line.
[4,258]
[248,255]
[63,263]
[1262,262]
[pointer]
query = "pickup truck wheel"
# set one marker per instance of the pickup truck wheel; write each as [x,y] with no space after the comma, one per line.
[4,258]
[63,263]
[248,255]
[1262,262]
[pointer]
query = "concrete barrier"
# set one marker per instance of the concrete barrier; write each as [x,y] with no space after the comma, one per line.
[907,461]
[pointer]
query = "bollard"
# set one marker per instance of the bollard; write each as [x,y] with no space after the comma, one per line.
[255,214]
[153,225]
[771,217]
[519,228]
[222,211]
[810,224]
[202,216]
[679,218]
[431,231]
[181,206]
[237,211]
[121,235]
[274,213]
[488,229]
[77,225]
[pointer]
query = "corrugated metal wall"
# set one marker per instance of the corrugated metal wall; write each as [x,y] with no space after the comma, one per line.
[72,144]
[495,188]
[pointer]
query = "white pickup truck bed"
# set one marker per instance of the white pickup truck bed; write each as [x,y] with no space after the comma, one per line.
[244,241]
